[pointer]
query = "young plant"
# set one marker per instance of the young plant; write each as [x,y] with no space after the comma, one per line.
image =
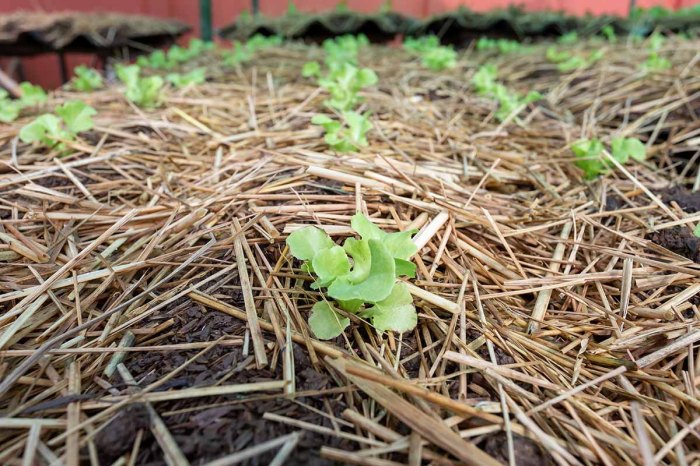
[344,83]
[143,91]
[566,62]
[157,60]
[569,38]
[347,135]
[433,55]
[195,76]
[86,79]
[53,130]
[343,49]
[509,102]
[655,62]
[11,108]
[361,276]
[501,45]
[589,156]
[608,32]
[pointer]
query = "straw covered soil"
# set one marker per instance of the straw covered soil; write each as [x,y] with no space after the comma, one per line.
[150,312]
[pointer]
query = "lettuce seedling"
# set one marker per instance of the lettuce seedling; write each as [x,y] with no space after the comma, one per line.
[11,108]
[433,56]
[569,38]
[195,76]
[143,91]
[347,135]
[501,45]
[361,276]
[509,102]
[86,79]
[343,83]
[157,60]
[343,49]
[565,61]
[52,130]
[589,157]
[608,32]
[260,42]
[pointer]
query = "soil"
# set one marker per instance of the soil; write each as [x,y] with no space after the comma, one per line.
[527,452]
[689,201]
[679,240]
[223,424]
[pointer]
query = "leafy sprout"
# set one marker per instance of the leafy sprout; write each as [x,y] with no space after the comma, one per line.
[510,103]
[195,76]
[501,45]
[361,276]
[589,154]
[30,95]
[143,91]
[433,56]
[347,135]
[86,79]
[53,130]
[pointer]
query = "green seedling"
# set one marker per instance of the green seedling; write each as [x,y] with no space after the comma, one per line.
[241,53]
[11,108]
[501,45]
[343,49]
[347,135]
[510,103]
[195,76]
[344,84]
[590,159]
[609,33]
[569,38]
[54,130]
[361,276]
[86,79]
[433,56]
[157,60]
[143,91]
[566,61]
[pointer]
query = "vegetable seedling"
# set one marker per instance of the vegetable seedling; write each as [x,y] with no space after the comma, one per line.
[433,56]
[86,79]
[361,276]
[509,102]
[347,135]
[143,91]
[53,130]
[589,157]
[11,108]
[195,76]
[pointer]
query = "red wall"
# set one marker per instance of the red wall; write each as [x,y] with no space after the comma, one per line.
[44,69]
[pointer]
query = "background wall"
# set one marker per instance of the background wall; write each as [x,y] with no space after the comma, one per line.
[44,69]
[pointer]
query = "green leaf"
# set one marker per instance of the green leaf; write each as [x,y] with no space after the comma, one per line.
[624,148]
[353,305]
[330,264]
[361,259]
[311,69]
[326,322]
[9,109]
[31,94]
[128,74]
[306,242]
[378,284]
[587,152]
[45,129]
[696,232]
[77,115]
[365,228]
[405,268]
[86,79]
[396,312]
[636,149]
[400,245]
[195,76]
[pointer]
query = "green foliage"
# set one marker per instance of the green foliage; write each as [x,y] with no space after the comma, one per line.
[500,45]
[346,135]
[53,130]
[176,55]
[569,38]
[143,91]
[361,276]
[343,50]
[696,232]
[343,83]
[86,79]
[195,76]
[241,53]
[566,61]
[608,32]
[10,109]
[157,60]
[433,56]
[655,62]
[509,102]
[589,154]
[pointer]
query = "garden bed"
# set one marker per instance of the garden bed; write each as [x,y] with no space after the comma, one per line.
[151,312]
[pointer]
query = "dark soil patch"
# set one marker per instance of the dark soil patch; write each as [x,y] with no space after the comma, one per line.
[117,437]
[211,427]
[527,452]
[689,201]
[679,240]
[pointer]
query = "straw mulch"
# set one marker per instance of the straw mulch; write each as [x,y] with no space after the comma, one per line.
[151,312]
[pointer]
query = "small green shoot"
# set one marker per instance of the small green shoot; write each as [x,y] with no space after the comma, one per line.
[143,91]
[195,76]
[569,38]
[566,61]
[361,276]
[510,103]
[11,108]
[86,79]
[608,32]
[347,135]
[589,154]
[501,45]
[53,130]
[433,56]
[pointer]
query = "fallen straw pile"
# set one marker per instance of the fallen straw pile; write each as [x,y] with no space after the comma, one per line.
[151,312]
